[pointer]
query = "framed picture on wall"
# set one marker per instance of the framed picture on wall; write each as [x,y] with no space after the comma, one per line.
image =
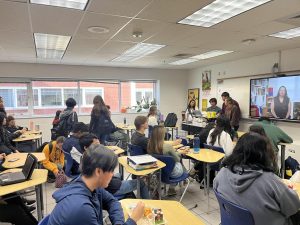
[206,80]
[193,94]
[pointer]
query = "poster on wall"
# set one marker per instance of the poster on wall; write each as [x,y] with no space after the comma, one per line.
[193,94]
[206,80]
[204,105]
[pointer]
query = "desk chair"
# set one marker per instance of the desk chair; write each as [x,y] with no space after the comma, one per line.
[215,148]
[135,150]
[232,214]
[167,170]
[45,220]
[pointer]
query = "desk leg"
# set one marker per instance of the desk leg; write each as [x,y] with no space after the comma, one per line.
[172,134]
[121,171]
[282,161]
[39,201]
[204,180]
[208,184]
[176,131]
[159,184]
[138,186]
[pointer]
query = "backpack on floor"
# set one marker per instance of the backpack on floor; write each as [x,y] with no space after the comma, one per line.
[171,120]
[291,164]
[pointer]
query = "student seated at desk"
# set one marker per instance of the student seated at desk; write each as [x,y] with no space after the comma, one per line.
[117,187]
[83,199]
[139,138]
[5,143]
[13,129]
[72,144]
[213,107]
[247,179]
[220,136]
[55,158]
[274,133]
[157,145]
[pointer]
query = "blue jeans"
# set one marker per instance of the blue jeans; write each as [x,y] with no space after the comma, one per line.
[128,186]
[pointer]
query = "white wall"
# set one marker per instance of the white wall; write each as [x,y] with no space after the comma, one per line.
[239,88]
[172,84]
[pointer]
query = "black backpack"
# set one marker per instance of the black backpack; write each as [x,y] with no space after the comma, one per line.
[171,120]
[292,164]
[62,128]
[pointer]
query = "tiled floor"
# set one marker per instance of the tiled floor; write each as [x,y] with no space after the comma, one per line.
[208,213]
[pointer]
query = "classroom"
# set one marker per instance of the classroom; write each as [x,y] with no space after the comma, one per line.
[149,112]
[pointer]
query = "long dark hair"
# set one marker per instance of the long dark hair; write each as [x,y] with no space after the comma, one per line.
[99,106]
[285,98]
[156,141]
[260,130]
[193,107]
[152,111]
[251,151]
[222,124]
[2,118]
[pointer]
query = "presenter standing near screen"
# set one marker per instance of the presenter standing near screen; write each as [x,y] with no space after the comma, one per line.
[281,105]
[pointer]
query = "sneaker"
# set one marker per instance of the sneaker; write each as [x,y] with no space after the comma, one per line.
[172,192]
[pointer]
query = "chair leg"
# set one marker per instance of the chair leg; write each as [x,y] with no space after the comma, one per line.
[185,189]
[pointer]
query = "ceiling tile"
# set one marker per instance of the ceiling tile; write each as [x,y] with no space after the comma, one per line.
[269,28]
[14,16]
[54,20]
[84,45]
[148,28]
[172,10]
[113,23]
[14,51]
[127,8]
[17,39]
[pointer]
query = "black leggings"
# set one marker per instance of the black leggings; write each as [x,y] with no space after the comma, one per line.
[15,212]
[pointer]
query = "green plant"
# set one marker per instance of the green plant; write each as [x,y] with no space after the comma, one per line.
[144,104]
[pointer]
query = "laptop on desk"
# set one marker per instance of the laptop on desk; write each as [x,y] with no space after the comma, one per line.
[18,177]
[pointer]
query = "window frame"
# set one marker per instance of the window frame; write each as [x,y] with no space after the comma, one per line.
[80,92]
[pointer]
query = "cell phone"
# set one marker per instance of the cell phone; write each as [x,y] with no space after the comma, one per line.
[13,159]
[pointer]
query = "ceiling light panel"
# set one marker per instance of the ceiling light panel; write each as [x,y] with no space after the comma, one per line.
[72,4]
[287,34]
[138,51]
[219,11]
[51,46]
[211,54]
[183,61]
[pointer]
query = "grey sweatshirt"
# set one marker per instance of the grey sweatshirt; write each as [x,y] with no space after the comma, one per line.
[263,193]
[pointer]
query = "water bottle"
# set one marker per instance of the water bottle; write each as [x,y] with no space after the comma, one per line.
[124,120]
[196,145]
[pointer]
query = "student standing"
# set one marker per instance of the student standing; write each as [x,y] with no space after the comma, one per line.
[100,123]
[152,116]
[82,200]
[274,133]
[213,106]
[55,158]
[67,118]
[225,95]
[248,180]
[232,112]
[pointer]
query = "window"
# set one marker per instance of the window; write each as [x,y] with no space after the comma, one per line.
[46,97]
[15,97]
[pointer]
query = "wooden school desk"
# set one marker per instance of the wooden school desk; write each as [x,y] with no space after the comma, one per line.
[39,176]
[21,159]
[174,146]
[282,155]
[30,136]
[174,212]
[128,128]
[296,185]
[139,173]
[207,156]
[117,150]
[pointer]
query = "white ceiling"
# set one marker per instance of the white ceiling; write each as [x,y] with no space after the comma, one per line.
[157,19]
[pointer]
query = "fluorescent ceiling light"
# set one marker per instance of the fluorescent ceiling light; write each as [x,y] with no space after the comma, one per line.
[138,51]
[50,45]
[183,61]
[219,11]
[287,34]
[73,4]
[211,54]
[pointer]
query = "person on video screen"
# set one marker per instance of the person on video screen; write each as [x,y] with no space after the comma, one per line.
[281,105]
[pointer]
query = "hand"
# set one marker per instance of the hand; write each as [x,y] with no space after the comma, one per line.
[138,212]
[23,130]
[2,156]
[177,142]
[17,151]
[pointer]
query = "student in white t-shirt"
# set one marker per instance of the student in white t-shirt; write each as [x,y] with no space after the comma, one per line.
[220,136]
[152,116]
[190,110]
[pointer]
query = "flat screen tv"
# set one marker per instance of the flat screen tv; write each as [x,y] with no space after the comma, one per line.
[276,97]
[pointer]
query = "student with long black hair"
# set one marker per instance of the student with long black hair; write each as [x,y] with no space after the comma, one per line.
[100,123]
[220,135]
[247,179]
[5,144]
